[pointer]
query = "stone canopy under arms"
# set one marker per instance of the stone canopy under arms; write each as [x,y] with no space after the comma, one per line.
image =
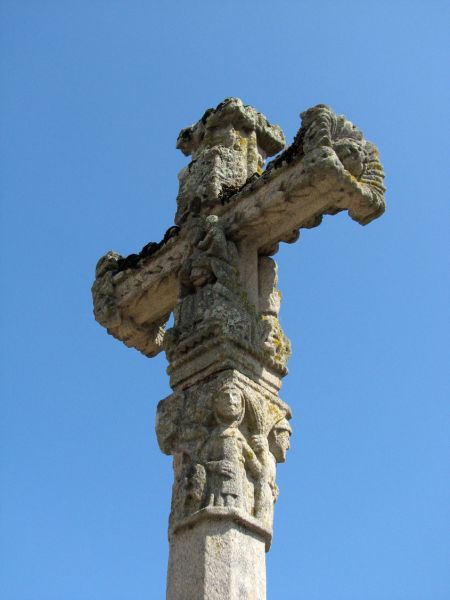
[224,424]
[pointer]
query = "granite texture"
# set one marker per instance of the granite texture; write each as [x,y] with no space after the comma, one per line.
[217,559]
[225,425]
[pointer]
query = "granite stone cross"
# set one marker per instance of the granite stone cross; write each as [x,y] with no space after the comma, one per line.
[225,424]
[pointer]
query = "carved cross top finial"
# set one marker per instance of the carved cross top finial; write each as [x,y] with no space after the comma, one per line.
[229,146]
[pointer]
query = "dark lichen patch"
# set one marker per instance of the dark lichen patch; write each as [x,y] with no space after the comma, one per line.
[206,114]
[228,190]
[129,262]
[185,134]
[293,152]
[132,260]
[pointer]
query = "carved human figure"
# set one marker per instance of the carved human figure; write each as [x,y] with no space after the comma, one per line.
[192,436]
[180,432]
[227,455]
[280,440]
[212,260]
[270,450]
[273,339]
[188,487]
[194,488]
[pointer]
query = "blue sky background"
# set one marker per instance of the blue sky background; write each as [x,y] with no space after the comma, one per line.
[93,96]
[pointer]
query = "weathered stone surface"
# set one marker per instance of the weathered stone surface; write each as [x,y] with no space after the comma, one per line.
[224,424]
[328,168]
[229,146]
[226,435]
[217,559]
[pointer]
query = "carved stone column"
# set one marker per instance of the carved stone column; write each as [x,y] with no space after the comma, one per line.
[224,425]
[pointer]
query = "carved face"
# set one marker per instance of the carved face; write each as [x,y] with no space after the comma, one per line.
[280,441]
[228,404]
[211,221]
[200,276]
[351,156]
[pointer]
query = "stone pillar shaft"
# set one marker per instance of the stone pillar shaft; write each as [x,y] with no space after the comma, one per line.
[220,424]
[215,560]
[224,424]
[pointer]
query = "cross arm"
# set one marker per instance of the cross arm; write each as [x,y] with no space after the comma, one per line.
[329,168]
[134,304]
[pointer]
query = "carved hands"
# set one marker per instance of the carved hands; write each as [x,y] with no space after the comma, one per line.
[221,467]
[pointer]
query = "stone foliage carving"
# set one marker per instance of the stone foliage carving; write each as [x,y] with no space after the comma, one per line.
[226,439]
[147,336]
[321,127]
[114,293]
[326,143]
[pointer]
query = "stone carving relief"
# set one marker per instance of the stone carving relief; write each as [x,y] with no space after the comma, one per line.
[321,127]
[224,425]
[274,341]
[228,146]
[226,454]
[134,295]
[210,301]
[214,258]
[226,439]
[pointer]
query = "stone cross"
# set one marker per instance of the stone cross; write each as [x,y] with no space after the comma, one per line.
[225,424]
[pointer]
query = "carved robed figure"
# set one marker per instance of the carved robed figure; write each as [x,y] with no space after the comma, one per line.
[225,424]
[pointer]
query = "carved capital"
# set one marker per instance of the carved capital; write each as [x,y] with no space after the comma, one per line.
[226,436]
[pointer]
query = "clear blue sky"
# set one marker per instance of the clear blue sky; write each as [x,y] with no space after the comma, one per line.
[93,96]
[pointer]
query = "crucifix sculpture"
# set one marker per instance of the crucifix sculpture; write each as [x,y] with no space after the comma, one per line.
[225,424]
